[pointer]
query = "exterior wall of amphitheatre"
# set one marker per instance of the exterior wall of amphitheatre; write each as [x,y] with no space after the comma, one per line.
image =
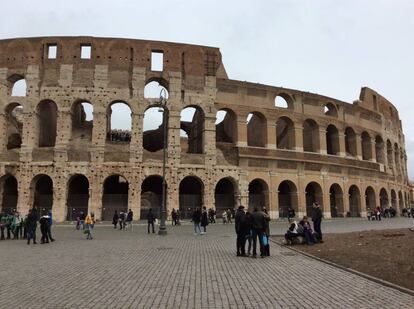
[348,157]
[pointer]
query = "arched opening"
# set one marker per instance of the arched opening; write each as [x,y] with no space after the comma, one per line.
[310,136]
[18,86]
[226,126]
[14,125]
[394,203]
[9,194]
[350,142]
[42,192]
[283,101]
[153,135]
[384,202]
[330,110]
[379,149]
[366,146]
[115,196]
[82,121]
[354,201]
[119,122]
[332,140]
[224,195]
[389,155]
[396,156]
[190,195]
[47,123]
[258,194]
[400,201]
[313,192]
[285,133]
[256,130]
[336,199]
[192,130]
[151,196]
[287,197]
[154,88]
[370,199]
[78,197]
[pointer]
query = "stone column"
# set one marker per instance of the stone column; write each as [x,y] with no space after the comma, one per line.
[322,141]
[271,135]
[30,135]
[326,205]
[3,132]
[95,198]
[342,147]
[358,147]
[298,138]
[134,194]
[363,205]
[241,132]
[23,200]
[209,137]
[174,144]
[135,147]
[273,197]
[59,208]
[373,152]
[301,196]
[63,134]
[98,134]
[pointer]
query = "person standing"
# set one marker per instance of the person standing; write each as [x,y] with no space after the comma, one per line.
[290,214]
[249,234]
[204,220]
[49,227]
[44,226]
[90,223]
[196,218]
[150,220]
[2,224]
[258,227]
[229,215]
[17,225]
[115,219]
[266,233]
[130,217]
[31,226]
[82,220]
[317,220]
[241,226]
[174,217]
[224,216]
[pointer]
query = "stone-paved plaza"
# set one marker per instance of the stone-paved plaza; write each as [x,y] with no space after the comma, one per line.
[131,269]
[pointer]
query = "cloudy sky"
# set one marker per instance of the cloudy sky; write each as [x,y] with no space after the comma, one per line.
[329,47]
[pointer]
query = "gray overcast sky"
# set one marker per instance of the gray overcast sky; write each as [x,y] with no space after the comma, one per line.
[328,47]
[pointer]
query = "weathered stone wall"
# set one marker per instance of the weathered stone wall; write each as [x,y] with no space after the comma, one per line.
[119,70]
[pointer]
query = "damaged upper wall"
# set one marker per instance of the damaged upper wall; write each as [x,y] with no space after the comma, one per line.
[120,56]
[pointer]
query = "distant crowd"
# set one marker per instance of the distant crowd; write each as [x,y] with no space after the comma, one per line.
[119,135]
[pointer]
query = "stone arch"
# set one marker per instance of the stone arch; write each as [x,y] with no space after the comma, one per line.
[153,128]
[225,195]
[191,195]
[287,197]
[366,146]
[350,142]
[14,125]
[336,199]
[77,197]
[285,133]
[256,129]
[119,122]
[370,202]
[314,194]
[154,87]
[192,129]
[41,193]
[384,201]
[9,193]
[17,85]
[330,109]
[82,120]
[283,100]
[151,196]
[115,196]
[354,201]
[332,140]
[258,194]
[47,123]
[226,126]
[379,149]
[310,136]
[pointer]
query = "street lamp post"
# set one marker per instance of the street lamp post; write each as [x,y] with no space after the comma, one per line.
[163,101]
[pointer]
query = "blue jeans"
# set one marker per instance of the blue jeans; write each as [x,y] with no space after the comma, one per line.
[197,228]
[89,228]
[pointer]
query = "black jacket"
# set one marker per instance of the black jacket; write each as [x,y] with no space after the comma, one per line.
[240,223]
[258,220]
[204,219]
[150,217]
[196,216]
[316,214]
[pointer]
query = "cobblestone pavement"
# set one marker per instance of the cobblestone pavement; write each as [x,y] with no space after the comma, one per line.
[131,269]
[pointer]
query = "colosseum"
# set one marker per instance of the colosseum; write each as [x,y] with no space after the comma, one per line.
[228,142]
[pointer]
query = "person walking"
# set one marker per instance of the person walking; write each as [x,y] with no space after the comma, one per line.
[115,219]
[204,220]
[242,229]
[90,223]
[266,233]
[150,220]
[258,227]
[290,214]
[249,232]
[82,220]
[44,225]
[317,220]
[31,226]
[174,217]
[224,216]
[196,218]
[129,218]
[49,227]
[229,215]
[16,225]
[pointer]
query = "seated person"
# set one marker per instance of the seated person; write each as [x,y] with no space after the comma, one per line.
[307,231]
[292,232]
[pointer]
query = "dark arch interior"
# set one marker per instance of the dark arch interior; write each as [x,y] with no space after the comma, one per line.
[14,119]
[332,140]
[78,197]
[258,194]
[81,126]
[313,194]
[43,197]
[151,196]
[153,139]
[285,133]
[336,201]
[256,130]
[9,194]
[370,199]
[190,195]
[224,196]
[287,197]
[310,136]
[47,114]
[115,196]
[226,130]
[354,201]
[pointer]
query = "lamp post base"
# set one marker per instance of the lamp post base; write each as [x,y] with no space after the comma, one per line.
[162,232]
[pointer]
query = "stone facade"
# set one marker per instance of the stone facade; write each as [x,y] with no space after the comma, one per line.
[348,157]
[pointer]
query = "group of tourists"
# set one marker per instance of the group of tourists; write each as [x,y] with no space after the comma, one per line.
[378,213]
[227,215]
[304,228]
[25,228]
[175,216]
[200,220]
[408,212]
[119,135]
[123,219]
[251,227]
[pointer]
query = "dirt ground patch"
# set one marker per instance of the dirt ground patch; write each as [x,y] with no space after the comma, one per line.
[385,254]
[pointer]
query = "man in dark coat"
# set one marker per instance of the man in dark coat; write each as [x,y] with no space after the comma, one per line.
[242,229]
[258,229]
[317,220]
[196,218]
[150,220]
[31,226]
